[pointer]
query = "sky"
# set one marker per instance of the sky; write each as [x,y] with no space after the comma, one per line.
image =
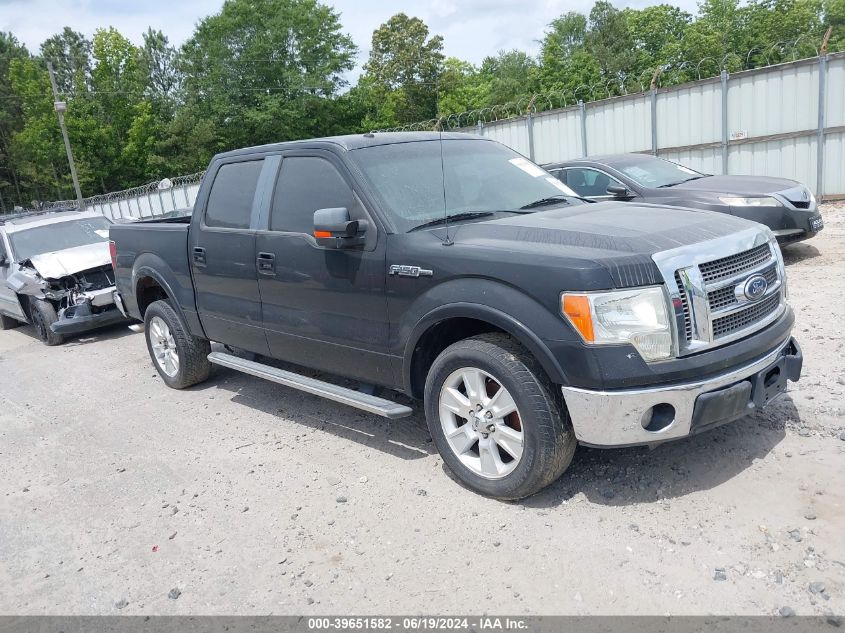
[472,29]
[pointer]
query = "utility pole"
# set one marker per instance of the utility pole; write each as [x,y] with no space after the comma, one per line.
[61,107]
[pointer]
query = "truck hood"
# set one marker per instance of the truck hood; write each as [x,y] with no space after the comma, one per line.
[60,264]
[740,185]
[618,236]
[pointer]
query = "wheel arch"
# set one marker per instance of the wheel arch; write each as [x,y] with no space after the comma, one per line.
[451,323]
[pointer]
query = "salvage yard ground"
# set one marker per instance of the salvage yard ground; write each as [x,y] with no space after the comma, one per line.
[243,497]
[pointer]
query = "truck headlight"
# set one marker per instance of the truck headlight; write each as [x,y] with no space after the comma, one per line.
[761,201]
[638,317]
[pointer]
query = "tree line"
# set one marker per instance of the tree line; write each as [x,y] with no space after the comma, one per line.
[262,71]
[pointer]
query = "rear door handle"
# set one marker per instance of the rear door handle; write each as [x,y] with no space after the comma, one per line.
[266,263]
[199,256]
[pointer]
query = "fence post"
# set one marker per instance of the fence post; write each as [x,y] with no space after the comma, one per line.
[820,131]
[530,124]
[724,79]
[479,127]
[582,109]
[654,121]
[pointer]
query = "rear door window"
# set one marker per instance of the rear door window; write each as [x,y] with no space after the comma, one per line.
[304,185]
[232,194]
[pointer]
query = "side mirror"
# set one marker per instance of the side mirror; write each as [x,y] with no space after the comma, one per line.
[619,191]
[334,229]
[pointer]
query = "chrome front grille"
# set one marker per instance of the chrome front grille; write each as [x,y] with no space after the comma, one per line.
[726,296]
[733,265]
[709,295]
[746,317]
[687,322]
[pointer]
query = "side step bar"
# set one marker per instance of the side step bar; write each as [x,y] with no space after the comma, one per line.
[366,402]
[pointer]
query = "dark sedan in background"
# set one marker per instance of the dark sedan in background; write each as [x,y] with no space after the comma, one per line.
[787,207]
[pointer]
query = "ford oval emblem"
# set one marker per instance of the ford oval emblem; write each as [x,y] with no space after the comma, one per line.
[755,287]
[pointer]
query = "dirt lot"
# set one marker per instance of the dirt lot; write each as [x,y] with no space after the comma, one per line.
[116,491]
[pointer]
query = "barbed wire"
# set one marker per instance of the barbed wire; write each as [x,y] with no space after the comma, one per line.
[626,84]
[162,187]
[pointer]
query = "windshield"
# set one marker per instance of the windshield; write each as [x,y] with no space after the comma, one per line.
[58,237]
[656,172]
[480,177]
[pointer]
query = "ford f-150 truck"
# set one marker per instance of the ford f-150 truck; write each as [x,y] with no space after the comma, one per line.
[452,269]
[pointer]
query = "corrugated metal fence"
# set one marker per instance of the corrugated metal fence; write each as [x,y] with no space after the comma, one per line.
[785,120]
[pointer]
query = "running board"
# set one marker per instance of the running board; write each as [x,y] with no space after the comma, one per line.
[366,402]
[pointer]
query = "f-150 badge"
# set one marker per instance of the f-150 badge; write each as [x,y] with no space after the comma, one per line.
[410,271]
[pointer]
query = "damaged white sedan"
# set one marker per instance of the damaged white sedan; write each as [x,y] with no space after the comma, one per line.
[56,273]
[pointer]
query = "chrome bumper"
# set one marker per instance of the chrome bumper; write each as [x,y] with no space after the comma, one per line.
[619,418]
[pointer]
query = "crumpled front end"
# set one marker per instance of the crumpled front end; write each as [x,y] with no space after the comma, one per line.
[88,302]
[83,300]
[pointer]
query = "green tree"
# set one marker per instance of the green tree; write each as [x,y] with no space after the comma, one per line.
[610,42]
[159,62]
[565,64]
[510,75]
[11,120]
[70,54]
[255,68]
[404,69]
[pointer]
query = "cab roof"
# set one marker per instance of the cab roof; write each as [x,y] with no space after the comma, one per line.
[351,142]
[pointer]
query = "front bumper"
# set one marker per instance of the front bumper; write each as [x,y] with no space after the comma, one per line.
[650,415]
[82,319]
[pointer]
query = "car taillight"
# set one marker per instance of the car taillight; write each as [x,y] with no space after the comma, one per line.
[113,253]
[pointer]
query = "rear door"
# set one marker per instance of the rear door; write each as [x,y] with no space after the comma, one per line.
[322,308]
[9,304]
[221,249]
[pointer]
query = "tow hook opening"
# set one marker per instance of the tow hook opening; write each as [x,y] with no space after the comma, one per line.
[658,417]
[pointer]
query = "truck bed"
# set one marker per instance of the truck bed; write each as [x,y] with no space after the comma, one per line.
[162,246]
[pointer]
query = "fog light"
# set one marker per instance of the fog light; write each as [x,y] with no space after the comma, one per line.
[658,417]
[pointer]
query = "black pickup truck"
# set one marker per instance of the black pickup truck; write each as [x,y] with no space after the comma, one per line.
[452,269]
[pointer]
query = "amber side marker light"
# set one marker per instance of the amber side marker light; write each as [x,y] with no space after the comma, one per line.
[322,233]
[577,310]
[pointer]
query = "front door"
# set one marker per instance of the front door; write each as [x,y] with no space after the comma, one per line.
[9,304]
[322,308]
[222,253]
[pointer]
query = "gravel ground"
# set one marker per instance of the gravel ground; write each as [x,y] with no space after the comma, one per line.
[120,496]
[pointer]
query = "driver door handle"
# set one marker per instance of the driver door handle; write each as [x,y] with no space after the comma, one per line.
[266,263]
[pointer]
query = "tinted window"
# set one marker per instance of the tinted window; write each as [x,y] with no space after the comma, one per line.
[304,185]
[588,182]
[478,176]
[230,200]
[59,236]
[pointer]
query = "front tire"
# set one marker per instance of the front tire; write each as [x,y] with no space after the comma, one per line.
[499,424]
[180,359]
[43,315]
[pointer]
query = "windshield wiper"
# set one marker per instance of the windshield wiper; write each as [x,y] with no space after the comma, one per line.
[680,182]
[454,218]
[544,202]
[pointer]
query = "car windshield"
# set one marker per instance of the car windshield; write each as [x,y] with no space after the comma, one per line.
[480,177]
[656,172]
[58,237]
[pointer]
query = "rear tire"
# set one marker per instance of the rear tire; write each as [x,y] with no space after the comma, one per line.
[43,315]
[180,359]
[7,323]
[496,419]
